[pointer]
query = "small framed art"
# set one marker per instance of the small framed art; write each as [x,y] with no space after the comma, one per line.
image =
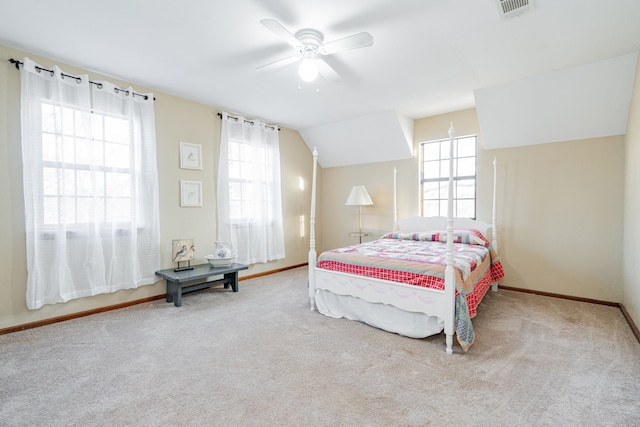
[190,156]
[182,250]
[190,193]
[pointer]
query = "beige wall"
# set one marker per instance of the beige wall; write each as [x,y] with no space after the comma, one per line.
[176,120]
[631,265]
[560,215]
[560,207]
[339,220]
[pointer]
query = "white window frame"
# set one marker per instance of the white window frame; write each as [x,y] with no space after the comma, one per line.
[429,177]
[245,204]
[59,169]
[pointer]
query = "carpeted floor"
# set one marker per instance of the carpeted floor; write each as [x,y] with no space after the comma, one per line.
[260,357]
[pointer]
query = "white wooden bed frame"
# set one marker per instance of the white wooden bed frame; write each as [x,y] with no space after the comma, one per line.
[431,302]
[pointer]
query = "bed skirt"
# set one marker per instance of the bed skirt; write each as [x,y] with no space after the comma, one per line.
[382,316]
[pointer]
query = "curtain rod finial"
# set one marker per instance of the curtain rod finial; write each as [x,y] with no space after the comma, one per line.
[16,63]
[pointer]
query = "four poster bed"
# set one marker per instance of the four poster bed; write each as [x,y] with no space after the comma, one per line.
[415,281]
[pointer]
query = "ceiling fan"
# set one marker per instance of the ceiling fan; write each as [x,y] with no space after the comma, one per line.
[308,43]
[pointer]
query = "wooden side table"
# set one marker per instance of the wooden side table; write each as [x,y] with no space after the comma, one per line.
[175,279]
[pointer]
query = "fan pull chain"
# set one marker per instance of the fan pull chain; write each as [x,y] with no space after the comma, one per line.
[317,84]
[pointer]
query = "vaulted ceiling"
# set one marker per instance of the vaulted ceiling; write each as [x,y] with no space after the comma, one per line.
[428,57]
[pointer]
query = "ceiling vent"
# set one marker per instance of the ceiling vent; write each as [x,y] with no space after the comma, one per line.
[512,8]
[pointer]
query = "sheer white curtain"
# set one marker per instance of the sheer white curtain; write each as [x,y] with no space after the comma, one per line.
[249,199]
[90,187]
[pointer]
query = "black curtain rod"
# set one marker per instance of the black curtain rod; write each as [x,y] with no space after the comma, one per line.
[78,79]
[247,121]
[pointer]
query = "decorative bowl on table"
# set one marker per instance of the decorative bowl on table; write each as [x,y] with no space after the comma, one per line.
[220,262]
[222,256]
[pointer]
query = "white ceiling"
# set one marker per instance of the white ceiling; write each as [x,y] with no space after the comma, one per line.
[427,58]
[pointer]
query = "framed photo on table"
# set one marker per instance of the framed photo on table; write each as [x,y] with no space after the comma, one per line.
[182,250]
[190,156]
[190,193]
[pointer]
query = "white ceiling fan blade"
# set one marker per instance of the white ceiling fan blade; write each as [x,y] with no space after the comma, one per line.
[327,71]
[351,42]
[278,63]
[281,31]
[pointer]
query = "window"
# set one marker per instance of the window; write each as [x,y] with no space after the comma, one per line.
[249,200]
[86,173]
[435,160]
[247,184]
[90,183]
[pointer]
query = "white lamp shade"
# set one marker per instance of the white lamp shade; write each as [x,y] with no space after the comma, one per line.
[359,197]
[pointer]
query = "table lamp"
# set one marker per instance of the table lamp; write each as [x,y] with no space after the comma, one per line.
[359,197]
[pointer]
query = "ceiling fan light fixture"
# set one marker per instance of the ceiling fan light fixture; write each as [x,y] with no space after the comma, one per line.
[309,43]
[308,69]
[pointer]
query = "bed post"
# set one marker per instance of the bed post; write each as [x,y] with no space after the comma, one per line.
[494,236]
[494,221]
[449,274]
[395,204]
[312,236]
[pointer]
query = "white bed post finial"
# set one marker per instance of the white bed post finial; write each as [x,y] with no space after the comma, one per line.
[312,235]
[449,275]
[395,204]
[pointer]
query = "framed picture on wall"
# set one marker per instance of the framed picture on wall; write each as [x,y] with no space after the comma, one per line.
[190,193]
[190,156]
